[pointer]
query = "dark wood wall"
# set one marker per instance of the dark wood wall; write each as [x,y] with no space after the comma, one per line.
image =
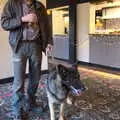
[58,3]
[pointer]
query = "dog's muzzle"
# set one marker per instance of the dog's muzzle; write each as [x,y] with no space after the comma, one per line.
[77,92]
[76,89]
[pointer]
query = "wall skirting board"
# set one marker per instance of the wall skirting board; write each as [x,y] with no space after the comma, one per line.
[98,65]
[89,64]
[10,79]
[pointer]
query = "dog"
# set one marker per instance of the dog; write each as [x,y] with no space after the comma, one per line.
[61,81]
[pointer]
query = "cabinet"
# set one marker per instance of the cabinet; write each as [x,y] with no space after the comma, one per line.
[105,50]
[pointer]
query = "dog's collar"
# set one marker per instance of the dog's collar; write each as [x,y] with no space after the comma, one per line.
[65,83]
[56,97]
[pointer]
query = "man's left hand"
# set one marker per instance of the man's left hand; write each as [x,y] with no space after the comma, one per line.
[49,48]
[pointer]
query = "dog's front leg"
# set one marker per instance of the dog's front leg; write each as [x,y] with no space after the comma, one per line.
[62,112]
[52,111]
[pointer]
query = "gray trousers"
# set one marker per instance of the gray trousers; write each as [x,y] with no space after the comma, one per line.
[32,52]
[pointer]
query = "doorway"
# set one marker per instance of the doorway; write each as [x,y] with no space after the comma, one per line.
[63,21]
[60,27]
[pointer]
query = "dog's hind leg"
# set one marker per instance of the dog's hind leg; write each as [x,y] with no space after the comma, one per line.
[62,112]
[52,111]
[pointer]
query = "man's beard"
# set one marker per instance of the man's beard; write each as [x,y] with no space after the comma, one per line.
[29,2]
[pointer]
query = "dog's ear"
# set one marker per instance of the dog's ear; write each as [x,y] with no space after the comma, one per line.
[61,69]
[75,65]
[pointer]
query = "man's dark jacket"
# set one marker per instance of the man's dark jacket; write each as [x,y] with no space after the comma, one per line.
[11,21]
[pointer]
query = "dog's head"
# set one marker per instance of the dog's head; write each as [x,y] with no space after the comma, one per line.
[71,79]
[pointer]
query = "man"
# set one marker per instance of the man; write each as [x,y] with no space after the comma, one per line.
[30,34]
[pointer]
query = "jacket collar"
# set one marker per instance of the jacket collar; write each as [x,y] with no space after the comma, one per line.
[37,5]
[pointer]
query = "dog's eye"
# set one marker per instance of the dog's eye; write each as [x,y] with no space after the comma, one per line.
[65,74]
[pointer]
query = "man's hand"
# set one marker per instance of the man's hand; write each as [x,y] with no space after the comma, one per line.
[49,48]
[30,18]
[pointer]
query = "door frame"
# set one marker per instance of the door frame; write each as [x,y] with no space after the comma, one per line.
[72,25]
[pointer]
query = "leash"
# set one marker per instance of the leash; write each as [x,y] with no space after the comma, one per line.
[51,54]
